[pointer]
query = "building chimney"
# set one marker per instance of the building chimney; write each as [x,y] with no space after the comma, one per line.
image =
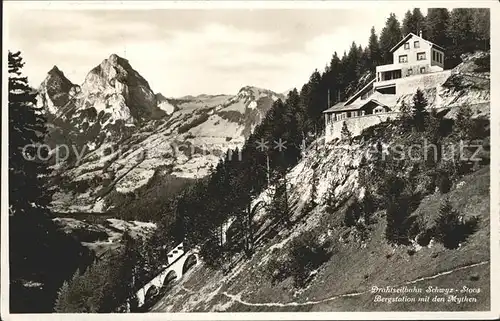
[420,33]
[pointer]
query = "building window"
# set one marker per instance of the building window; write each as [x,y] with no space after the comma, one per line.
[416,44]
[422,70]
[403,58]
[421,56]
[407,45]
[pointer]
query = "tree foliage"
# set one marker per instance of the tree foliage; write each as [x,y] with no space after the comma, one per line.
[419,111]
[34,240]
[391,34]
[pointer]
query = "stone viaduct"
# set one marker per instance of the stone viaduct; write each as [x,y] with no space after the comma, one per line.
[179,262]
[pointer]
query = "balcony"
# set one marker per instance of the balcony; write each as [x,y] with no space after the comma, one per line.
[390,67]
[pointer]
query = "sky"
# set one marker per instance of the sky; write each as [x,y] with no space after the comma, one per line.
[190,52]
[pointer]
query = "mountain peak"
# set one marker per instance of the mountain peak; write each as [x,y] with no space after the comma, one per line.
[56,79]
[115,60]
[55,71]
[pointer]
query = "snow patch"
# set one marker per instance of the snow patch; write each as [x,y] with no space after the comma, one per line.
[166,107]
[252,105]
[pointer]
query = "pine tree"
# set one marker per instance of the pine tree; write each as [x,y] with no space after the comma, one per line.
[419,111]
[447,225]
[436,26]
[481,27]
[389,37]
[353,58]
[405,115]
[407,23]
[345,134]
[463,122]
[374,55]
[460,29]
[66,301]
[433,135]
[413,22]
[27,128]
[34,240]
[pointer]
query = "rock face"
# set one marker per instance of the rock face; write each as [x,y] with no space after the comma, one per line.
[55,91]
[120,134]
[116,86]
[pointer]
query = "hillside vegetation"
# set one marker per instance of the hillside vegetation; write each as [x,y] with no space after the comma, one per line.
[348,255]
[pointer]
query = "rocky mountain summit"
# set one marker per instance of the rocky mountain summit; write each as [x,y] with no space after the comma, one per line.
[114,134]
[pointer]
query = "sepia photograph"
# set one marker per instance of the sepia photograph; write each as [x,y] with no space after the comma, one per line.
[166,159]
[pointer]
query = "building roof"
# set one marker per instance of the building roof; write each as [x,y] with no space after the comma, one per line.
[410,35]
[360,92]
[340,107]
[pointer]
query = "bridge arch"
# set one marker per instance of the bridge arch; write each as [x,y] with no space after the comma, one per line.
[170,278]
[167,277]
[151,294]
[191,260]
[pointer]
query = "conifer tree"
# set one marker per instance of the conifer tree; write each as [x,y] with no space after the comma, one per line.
[436,25]
[447,225]
[419,111]
[27,128]
[407,23]
[460,30]
[481,27]
[463,122]
[389,37]
[34,240]
[413,22]
[345,133]
[374,55]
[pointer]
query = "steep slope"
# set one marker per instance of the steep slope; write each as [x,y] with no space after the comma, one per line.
[357,264]
[360,258]
[114,134]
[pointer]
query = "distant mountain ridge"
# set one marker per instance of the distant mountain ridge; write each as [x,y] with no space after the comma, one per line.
[126,134]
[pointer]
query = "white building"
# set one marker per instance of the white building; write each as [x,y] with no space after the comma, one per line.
[412,56]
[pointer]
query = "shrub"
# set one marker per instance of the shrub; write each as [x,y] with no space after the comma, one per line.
[444,182]
[450,229]
[345,133]
[277,270]
[400,202]
[306,254]
[464,124]
[483,64]
[352,214]
[424,238]
[212,253]
[368,206]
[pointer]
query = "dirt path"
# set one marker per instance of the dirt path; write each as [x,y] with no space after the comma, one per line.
[237,297]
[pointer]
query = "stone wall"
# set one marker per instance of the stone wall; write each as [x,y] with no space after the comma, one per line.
[356,124]
[409,85]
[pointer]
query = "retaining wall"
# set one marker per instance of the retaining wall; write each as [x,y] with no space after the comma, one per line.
[356,124]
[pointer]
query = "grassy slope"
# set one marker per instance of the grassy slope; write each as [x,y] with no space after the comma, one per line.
[353,268]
